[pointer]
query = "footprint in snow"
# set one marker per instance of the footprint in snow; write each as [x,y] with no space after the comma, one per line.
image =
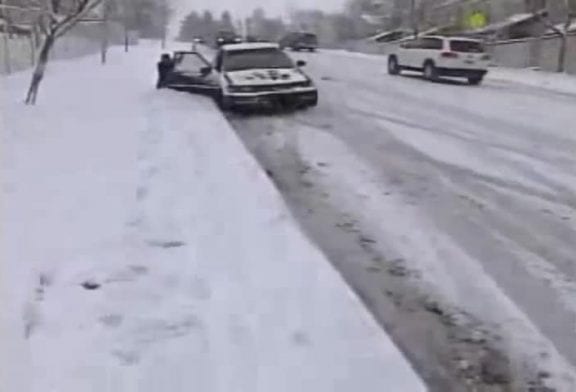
[199,289]
[166,244]
[301,339]
[141,193]
[128,274]
[111,320]
[126,357]
[153,331]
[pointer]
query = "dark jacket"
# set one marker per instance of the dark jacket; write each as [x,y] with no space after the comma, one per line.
[165,66]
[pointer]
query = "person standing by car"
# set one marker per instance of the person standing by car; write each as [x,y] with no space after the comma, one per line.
[165,67]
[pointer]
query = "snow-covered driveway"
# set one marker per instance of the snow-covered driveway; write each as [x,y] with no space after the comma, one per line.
[455,180]
[144,250]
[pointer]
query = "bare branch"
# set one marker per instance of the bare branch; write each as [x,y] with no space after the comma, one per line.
[19,8]
[549,24]
[65,25]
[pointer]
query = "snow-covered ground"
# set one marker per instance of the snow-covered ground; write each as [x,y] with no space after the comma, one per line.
[472,188]
[143,249]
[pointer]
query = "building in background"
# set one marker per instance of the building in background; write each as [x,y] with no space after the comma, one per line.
[496,19]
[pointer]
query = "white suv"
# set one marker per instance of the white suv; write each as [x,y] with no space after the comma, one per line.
[437,56]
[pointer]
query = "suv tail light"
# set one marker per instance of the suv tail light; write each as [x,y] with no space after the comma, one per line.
[449,55]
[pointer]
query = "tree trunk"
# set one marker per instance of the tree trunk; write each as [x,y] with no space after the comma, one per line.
[105,32]
[7,61]
[104,49]
[562,53]
[564,39]
[126,40]
[32,49]
[38,74]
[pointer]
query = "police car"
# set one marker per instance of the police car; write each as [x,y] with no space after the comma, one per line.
[246,75]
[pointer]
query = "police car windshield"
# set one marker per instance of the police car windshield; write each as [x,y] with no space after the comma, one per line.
[238,60]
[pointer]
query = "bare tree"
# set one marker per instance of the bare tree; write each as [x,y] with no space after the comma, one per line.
[7,22]
[56,18]
[107,8]
[561,30]
[126,18]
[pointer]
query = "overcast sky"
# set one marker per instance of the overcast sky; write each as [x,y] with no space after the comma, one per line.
[243,7]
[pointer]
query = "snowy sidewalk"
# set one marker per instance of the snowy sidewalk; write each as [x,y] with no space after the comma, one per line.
[561,83]
[143,249]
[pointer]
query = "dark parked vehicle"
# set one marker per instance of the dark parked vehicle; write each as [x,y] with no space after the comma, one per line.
[300,41]
[226,38]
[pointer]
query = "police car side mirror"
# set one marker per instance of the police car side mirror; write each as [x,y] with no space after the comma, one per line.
[205,71]
[300,63]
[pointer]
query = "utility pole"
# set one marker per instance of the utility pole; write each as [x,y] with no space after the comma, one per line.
[414,18]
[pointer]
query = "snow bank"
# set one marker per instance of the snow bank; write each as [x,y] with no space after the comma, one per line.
[562,83]
[144,249]
[447,271]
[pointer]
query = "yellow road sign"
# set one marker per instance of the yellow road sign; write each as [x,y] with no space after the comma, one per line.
[477,20]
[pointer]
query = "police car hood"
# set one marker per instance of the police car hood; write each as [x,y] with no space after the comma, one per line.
[265,76]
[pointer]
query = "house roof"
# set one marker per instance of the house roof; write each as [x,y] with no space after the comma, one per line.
[508,22]
[561,26]
[382,36]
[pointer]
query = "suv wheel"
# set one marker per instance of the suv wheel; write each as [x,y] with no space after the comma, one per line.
[430,72]
[393,67]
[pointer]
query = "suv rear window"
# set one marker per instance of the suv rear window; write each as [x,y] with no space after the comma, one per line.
[430,43]
[466,46]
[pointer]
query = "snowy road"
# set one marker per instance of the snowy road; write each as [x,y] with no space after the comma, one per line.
[450,179]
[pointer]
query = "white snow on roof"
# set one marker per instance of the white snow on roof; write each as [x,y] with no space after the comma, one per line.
[508,22]
[520,17]
[561,27]
[468,39]
[384,34]
[251,46]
